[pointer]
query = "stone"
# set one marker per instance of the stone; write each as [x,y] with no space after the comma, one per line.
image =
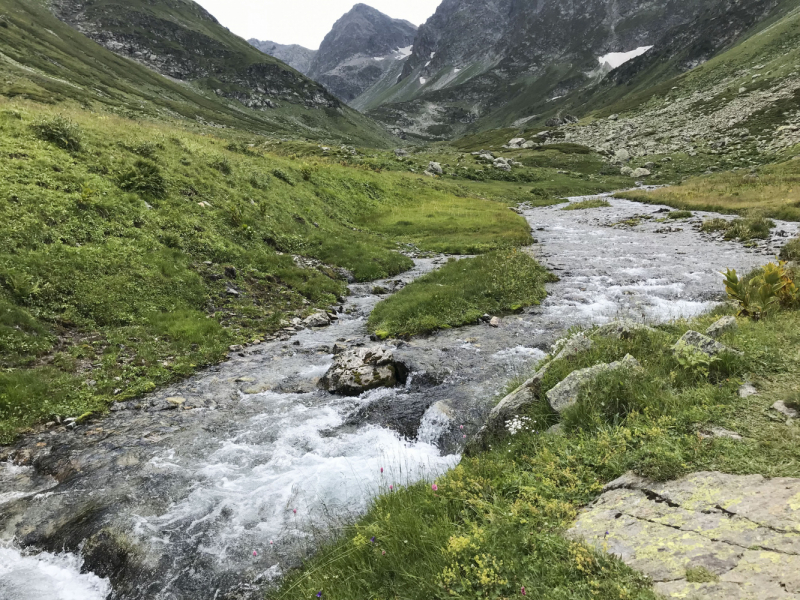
[516,142]
[747,390]
[527,145]
[318,319]
[641,172]
[356,371]
[232,292]
[626,171]
[503,166]
[623,330]
[435,168]
[742,530]
[721,327]
[565,394]
[720,432]
[622,155]
[570,347]
[235,348]
[177,401]
[786,411]
[400,153]
[702,343]
[508,408]
[495,322]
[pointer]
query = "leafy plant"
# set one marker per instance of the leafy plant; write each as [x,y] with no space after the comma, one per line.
[766,291]
[691,359]
[59,131]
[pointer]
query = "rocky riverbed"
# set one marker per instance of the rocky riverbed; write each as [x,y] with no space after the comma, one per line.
[213,487]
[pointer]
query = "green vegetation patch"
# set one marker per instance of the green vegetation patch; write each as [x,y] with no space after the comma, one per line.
[791,251]
[461,292]
[680,214]
[586,204]
[754,227]
[773,191]
[496,523]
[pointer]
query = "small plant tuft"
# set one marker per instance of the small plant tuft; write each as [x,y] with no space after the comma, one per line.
[587,204]
[680,214]
[60,131]
[144,178]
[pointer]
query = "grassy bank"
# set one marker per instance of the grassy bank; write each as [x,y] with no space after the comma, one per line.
[461,292]
[135,252]
[496,523]
[771,191]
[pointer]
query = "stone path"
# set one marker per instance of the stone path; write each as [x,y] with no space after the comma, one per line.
[707,536]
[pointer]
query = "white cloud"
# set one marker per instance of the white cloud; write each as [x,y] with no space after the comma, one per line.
[304,22]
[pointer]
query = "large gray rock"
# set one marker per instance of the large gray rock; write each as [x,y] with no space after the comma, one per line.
[640,172]
[566,393]
[571,347]
[741,532]
[702,343]
[363,369]
[721,327]
[622,330]
[318,319]
[434,168]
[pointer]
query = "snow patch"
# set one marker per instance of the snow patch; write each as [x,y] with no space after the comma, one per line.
[423,81]
[617,59]
[403,53]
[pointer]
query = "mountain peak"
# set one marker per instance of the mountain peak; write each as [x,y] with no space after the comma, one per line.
[359,48]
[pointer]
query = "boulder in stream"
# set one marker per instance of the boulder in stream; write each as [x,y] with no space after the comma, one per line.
[357,371]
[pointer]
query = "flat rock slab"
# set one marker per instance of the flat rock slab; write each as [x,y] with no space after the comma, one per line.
[742,533]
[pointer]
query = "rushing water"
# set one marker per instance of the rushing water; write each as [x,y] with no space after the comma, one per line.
[216,500]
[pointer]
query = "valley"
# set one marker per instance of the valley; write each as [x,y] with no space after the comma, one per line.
[488,307]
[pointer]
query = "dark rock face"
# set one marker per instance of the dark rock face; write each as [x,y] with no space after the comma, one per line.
[475,57]
[295,56]
[362,46]
[181,40]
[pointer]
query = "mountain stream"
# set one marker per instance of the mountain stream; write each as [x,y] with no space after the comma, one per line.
[217,498]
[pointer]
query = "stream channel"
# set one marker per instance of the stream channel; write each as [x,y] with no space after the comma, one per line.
[216,498]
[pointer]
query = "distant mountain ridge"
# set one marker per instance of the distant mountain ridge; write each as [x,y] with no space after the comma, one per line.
[294,55]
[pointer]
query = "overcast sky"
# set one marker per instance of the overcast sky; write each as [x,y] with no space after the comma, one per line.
[303,22]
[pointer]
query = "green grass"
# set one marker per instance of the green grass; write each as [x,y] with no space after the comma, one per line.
[461,292]
[680,214]
[587,204]
[122,239]
[496,523]
[774,191]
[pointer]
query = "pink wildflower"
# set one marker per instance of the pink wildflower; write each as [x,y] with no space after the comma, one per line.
[435,487]
[381,470]
[391,488]
[294,510]
[522,591]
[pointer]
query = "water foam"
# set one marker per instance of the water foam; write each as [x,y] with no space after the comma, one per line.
[47,576]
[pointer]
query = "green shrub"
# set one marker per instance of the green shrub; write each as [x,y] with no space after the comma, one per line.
[59,131]
[749,228]
[283,176]
[144,178]
[680,214]
[714,225]
[221,164]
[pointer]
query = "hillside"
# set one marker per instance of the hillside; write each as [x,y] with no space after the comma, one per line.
[49,61]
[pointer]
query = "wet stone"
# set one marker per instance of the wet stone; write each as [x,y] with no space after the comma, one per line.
[702,343]
[565,394]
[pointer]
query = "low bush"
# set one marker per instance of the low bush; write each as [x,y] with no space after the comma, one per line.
[791,251]
[680,214]
[144,178]
[765,291]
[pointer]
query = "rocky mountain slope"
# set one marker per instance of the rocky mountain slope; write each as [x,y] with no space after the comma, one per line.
[488,64]
[363,48]
[294,55]
[179,40]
